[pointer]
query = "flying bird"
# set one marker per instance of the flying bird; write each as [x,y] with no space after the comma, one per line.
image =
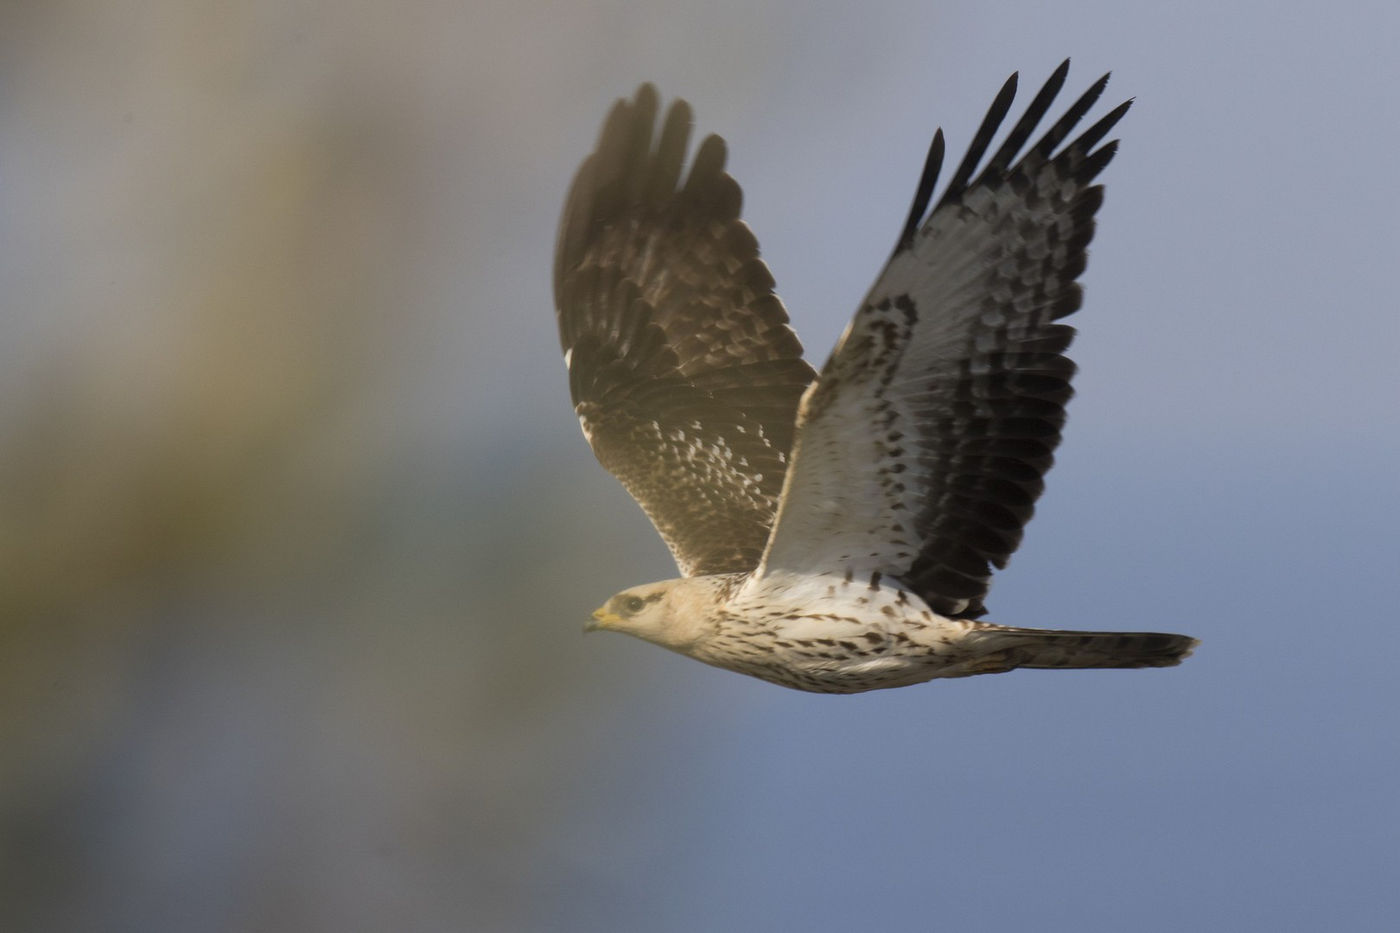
[835,532]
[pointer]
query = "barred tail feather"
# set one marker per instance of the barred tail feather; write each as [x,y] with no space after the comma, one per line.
[1004,648]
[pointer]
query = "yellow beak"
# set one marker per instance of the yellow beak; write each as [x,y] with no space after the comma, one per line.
[602,619]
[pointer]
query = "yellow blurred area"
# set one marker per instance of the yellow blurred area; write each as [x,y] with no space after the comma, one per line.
[247,666]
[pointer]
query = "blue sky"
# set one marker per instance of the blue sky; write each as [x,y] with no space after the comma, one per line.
[1227,473]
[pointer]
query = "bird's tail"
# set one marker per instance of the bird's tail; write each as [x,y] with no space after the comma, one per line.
[1004,648]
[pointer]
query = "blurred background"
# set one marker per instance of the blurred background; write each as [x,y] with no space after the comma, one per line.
[298,532]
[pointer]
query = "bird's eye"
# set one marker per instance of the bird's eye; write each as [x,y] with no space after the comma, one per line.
[633,604]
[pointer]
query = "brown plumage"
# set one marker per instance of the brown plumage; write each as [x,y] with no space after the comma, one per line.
[836,532]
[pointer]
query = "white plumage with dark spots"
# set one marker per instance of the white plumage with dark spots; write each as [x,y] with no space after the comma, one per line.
[836,531]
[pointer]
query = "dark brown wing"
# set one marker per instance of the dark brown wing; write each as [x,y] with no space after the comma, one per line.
[682,367]
[923,447]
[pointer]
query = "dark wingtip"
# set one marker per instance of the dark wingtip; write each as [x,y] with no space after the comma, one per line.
[707,167]
[982,139]
[1090,137]
[1025,126]
[932,164]
[669,156]
[1071,117]
[646,99]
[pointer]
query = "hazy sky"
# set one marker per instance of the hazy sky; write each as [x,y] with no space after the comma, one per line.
[1228,472]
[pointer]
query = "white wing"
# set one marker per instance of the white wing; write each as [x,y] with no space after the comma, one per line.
[922,447]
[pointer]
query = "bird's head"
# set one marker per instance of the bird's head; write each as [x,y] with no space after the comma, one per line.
[660,613]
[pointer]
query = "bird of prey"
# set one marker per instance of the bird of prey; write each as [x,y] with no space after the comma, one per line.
[835,531]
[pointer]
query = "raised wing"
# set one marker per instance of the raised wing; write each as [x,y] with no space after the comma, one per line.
[682,367]
[922,447]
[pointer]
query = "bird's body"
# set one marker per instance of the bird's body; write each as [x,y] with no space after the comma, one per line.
[831,634]
[836,531]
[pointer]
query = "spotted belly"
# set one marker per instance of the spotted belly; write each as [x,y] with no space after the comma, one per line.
[832,652]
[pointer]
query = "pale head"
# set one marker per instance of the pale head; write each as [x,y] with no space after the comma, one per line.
[675,614]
